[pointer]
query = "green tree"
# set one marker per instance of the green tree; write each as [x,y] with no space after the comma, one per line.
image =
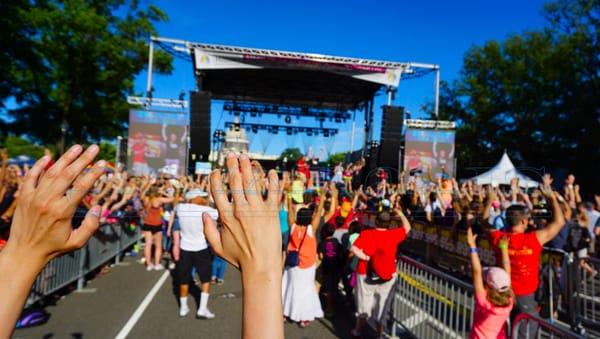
[292,154]
[335,159]
[73,61]
[534,94]
[108,151]
[20,146]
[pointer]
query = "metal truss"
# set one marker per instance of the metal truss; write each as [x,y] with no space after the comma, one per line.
[274,129]
[184,49]
[256,109]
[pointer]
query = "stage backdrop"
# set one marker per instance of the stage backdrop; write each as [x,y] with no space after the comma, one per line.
[428,147]
[158,142]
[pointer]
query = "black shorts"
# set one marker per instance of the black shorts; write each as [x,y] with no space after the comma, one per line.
[201,260]
[151,228]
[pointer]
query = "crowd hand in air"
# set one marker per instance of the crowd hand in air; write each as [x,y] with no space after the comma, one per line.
[250,240]
[41,228]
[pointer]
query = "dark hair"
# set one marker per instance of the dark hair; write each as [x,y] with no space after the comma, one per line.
[515,214]
[355,227]
[432,196]
[304,216]
[384,220]
[326,205]
[327,230]
[339,221]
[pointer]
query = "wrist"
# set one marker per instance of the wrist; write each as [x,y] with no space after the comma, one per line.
[473,250]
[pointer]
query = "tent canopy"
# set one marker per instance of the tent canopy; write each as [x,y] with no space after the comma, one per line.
[503,173]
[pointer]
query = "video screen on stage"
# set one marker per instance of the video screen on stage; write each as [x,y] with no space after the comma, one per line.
[158,142]
[427,148]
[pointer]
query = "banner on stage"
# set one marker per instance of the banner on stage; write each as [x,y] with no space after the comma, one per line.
[157,143]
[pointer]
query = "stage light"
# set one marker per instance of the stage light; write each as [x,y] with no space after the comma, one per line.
[288,119]
[254,129]
[326,133]
[309,132]
[289,130]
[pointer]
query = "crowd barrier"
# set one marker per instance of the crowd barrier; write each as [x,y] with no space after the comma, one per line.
[527,326]
[585,296]
[107,243]
[565,286]
[429,303]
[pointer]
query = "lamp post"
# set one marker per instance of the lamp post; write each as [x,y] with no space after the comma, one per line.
[64,126]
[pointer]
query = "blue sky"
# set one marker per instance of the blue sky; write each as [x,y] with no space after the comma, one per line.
[437,32]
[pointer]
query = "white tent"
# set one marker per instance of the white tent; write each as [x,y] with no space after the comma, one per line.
[502,174]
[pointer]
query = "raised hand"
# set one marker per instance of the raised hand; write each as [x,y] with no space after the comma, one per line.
[250,239]
[546,187]
[42,221]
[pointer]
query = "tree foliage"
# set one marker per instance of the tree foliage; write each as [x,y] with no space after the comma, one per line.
[335,159]
[292,154]
[534,94]
[73,61]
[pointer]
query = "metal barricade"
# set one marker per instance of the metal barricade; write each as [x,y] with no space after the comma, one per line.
[586,298]
[57,274]
[527,326]
[431,304]
[107,243]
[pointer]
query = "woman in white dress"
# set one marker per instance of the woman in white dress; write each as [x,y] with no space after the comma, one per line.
[300,299]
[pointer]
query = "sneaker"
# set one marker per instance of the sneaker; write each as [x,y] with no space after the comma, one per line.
[184,310]
[220,282]
[171,265]
[159,267]
[149,268]
[205,314]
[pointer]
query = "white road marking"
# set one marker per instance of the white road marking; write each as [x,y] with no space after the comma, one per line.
[140,310]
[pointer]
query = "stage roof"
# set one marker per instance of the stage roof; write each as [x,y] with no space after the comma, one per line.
[293,78]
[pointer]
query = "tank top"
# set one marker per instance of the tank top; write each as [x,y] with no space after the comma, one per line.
[153,216]
[307,254]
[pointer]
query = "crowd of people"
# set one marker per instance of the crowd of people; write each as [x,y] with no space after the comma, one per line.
[319,243]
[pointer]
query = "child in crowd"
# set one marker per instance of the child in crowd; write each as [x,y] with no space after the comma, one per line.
[493,294]
[329,253]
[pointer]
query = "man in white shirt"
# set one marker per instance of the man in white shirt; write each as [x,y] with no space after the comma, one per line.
[193,249]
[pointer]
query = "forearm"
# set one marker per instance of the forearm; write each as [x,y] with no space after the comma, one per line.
[505,260]
[475,264]
[262,305]
[15,284]
[359,253]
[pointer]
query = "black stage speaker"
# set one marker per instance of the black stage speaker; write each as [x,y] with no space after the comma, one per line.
[199,127]
[391,139]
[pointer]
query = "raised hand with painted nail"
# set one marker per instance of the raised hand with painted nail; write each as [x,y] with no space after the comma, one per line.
[41,227]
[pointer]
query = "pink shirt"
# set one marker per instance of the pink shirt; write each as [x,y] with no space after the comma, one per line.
[489,321]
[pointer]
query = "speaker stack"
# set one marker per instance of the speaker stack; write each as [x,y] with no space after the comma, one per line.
[391,139]
[200,136]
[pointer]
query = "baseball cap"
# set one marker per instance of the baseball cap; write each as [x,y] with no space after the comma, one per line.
[195,193]
[496,278]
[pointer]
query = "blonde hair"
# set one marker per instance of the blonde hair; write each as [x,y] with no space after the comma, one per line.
[497,298]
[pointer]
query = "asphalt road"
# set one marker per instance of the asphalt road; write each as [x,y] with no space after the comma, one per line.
[111,299]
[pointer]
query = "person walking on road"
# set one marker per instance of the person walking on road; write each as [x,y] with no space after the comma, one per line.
[193,251]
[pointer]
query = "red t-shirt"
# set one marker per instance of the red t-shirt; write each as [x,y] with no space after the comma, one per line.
[381,246]
[524,251]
